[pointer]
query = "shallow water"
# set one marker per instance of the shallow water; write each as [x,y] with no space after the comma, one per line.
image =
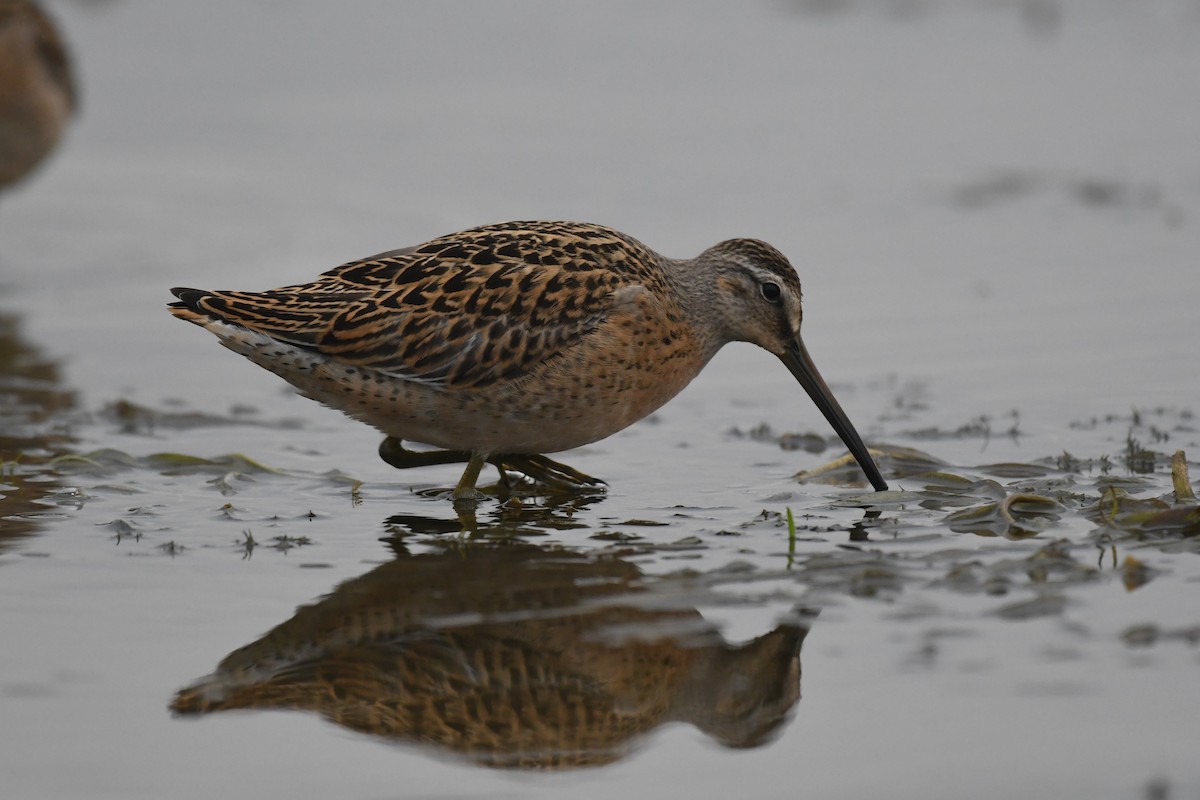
[992,207]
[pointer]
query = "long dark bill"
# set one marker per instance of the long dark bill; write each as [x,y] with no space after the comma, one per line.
[800,364]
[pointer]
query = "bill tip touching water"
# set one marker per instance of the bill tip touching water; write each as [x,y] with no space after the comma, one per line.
[502,343]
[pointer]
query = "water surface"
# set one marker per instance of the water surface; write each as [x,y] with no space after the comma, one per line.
[992,207]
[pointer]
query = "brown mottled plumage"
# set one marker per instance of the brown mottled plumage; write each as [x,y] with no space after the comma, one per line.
[508,341]
[512,656]
[37,93]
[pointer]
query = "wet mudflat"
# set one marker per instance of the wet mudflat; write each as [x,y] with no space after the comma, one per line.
[213,586]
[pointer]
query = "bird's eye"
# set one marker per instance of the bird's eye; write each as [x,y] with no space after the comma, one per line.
[771,292]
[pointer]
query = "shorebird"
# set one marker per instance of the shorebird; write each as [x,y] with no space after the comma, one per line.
[505,342]
[37,93]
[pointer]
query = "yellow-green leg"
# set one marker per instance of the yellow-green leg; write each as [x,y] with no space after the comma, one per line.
[393,451]
[465,490]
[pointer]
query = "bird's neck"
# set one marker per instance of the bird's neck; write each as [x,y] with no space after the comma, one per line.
[694,292]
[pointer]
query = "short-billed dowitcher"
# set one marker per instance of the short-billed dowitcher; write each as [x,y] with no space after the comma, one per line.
[37,94]
[507,341]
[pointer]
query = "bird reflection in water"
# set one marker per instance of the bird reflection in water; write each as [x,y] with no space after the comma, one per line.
[514,656]
[524,511]
[35,426]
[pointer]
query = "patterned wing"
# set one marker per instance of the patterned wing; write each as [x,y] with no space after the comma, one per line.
[464,310]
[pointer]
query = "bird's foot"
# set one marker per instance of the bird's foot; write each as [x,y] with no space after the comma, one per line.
[547,472]
[544,471]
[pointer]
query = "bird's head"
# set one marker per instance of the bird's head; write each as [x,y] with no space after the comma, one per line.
[756,297]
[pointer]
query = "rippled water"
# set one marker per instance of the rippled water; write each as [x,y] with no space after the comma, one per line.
[992,207]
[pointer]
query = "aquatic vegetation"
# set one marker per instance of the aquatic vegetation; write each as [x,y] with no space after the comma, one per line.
[1039,499]
[1016,516]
